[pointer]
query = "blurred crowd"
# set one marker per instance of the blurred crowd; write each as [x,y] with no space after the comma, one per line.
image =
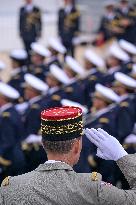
[44,77]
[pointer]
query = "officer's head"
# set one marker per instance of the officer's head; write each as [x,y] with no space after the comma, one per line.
[67,2]
[28,1]
[52,81]
[18,58]
[112,61]
[123,84]
[7,94]
[124,3]
[109,6]
[62,130]
[103,97]
[88,64]
[99,102]
[33,87]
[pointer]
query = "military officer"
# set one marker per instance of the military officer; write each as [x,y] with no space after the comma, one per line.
[55,181]
[131,50]
[18,64]
[74,71]
[102,116]
[11,133]
[30,25]
[126,14]
[94,66]
[39,54]
[109,23]
[55,79]
[124,86]
[115,62]
[57,50]
[32,146]
[68,24]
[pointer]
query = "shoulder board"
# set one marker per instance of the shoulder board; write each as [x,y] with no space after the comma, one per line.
[38,70]
[6,114]
[35,106]
[69,90]
[16,77]
[93,77]
[129,66]
[5,182]
[124,104]
[56,97]
[104,120]
[95,177]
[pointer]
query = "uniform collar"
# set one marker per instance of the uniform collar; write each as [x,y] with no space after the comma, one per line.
[54,166]
[68,8]
[15,71]
[104,110]
[53,90]
[35,99]
[29,7]
[5,107]
[112,70]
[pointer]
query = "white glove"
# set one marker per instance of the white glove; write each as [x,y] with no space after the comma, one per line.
[109,147]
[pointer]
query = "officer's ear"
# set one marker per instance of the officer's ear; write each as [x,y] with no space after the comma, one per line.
[77,146]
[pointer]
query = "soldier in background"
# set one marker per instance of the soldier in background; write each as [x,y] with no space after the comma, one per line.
[68,24]
[11,133]
[30,25]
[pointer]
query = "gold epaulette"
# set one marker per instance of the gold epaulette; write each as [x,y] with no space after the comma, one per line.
[69,89]
[5,182]
[56,97]
[93,77]
[16,77]
[104,120]
[124,104]
[6,114]
[129,66]
[94,176]
[38,70]
[35,106]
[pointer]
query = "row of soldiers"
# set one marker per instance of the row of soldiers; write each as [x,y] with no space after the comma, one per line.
[103,88]
[119,21]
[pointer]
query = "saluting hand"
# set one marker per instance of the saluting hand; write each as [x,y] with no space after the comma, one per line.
[108,147]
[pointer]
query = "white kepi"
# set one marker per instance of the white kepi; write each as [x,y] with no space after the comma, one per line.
[108,93]
[40,49]
[59,74]
[8,91]
[35,83]
[74,65]
[127,46]
[125,80]
[66,102]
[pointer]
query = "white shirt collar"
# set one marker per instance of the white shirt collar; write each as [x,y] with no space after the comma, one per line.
[51,162]
[15,71]
[53,90]
[68,8]
[35,99]
[5,107]
[29,7]
[113,69]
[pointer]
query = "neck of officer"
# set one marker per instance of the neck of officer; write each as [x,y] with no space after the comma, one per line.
[67,158]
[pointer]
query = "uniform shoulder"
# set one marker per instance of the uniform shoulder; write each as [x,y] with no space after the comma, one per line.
[17,181]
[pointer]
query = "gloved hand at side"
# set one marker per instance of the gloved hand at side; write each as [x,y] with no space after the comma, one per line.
[108,147]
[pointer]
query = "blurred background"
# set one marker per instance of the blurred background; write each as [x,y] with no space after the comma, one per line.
[91,11]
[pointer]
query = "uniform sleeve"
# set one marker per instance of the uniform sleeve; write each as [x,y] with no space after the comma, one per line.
[1,200]
[8,135]
[110,195]
[20,23]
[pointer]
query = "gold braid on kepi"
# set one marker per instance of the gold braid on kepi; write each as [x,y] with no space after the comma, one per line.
[61,123]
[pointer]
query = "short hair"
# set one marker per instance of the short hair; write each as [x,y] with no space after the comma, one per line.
[59,147]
